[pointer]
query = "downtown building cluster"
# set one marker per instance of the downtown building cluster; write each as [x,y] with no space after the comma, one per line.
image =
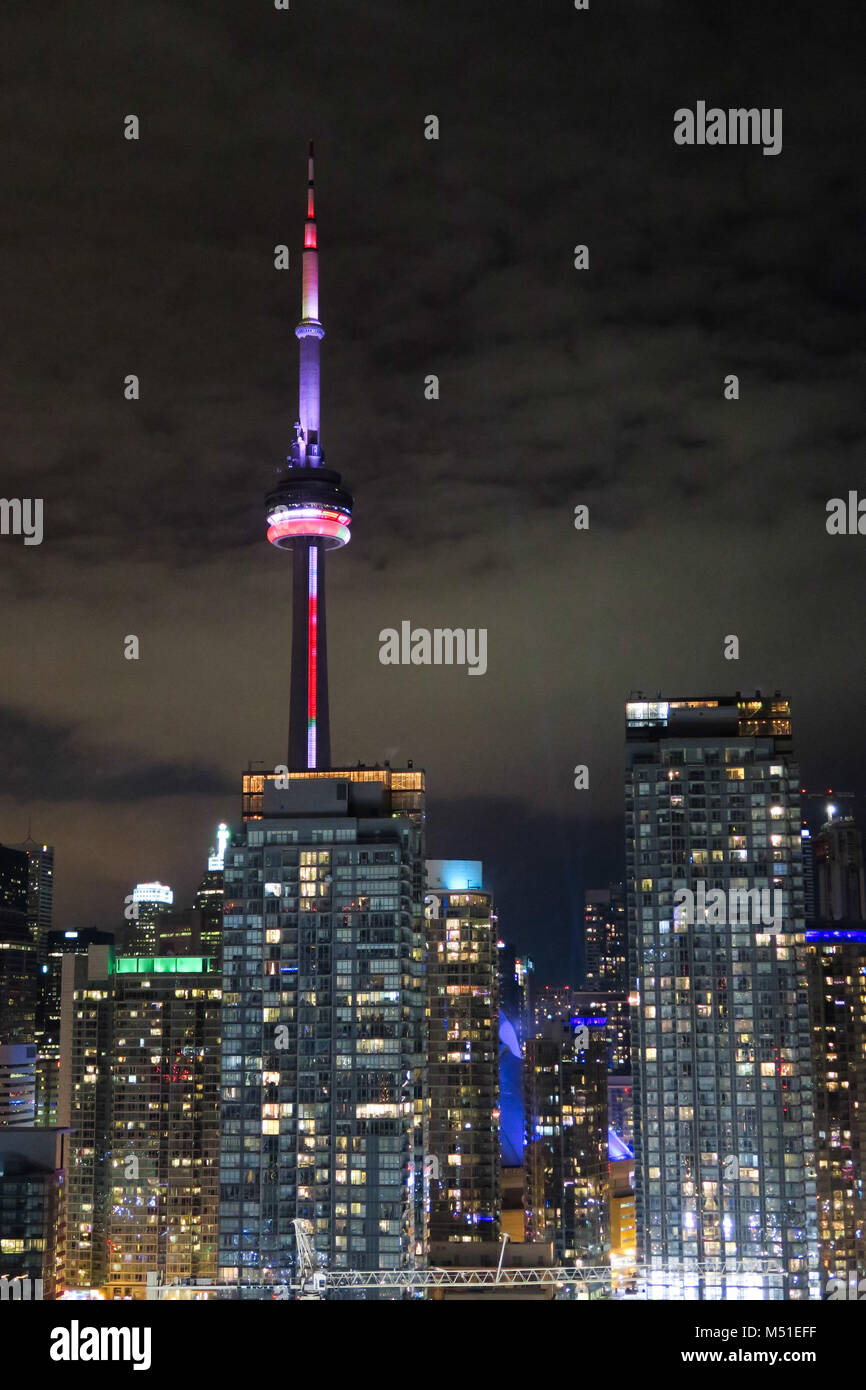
[331,1058]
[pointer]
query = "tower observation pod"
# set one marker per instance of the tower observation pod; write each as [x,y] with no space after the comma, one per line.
[309,512]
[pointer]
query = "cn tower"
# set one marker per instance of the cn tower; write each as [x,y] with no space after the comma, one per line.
[309,512]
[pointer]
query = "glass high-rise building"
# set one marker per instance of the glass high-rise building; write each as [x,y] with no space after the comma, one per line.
[463,1153]
[323,1036]
[724,1153]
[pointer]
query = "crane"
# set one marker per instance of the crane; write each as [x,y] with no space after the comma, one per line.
[315,1282]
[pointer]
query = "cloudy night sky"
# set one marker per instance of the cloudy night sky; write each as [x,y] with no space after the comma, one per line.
[557,387]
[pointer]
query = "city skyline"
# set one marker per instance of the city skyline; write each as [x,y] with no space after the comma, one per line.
[480,913]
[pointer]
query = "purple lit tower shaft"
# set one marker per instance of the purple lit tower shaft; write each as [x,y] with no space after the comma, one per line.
[309,512]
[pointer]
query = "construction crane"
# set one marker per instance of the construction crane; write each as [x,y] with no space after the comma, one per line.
[315,1282]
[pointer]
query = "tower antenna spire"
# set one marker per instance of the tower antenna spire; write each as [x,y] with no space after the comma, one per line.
[310,332]
[311,191]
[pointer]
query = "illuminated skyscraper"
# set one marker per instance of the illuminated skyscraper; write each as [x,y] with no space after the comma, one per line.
[149,902]
[140,1089]
[614,1009]
[323,944]
[40,902]
[462,1061]
[19,960]
[209,896]
[54,946]
[836,956]
[565,1157]
[40,887]
[323,1034]
[551,1004]
[605,965]
[724,1153]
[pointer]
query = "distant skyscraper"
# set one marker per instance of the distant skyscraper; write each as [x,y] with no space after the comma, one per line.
[40,887]
[839,878]
[464,1162]
[53,947]
[837,1002]
[810,901]
[209,897]
[566,1158]
[39,908]
[606,940]
[612,1013]
[19,959]
[551,1004]
[141,1092]
[59,944]
[149,902]
[724,1151]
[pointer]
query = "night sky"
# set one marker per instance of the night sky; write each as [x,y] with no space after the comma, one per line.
[558,387]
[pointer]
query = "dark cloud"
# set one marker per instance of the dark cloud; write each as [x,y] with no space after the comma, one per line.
[55,762]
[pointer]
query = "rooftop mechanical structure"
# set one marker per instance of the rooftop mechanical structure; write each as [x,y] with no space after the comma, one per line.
[309,512]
